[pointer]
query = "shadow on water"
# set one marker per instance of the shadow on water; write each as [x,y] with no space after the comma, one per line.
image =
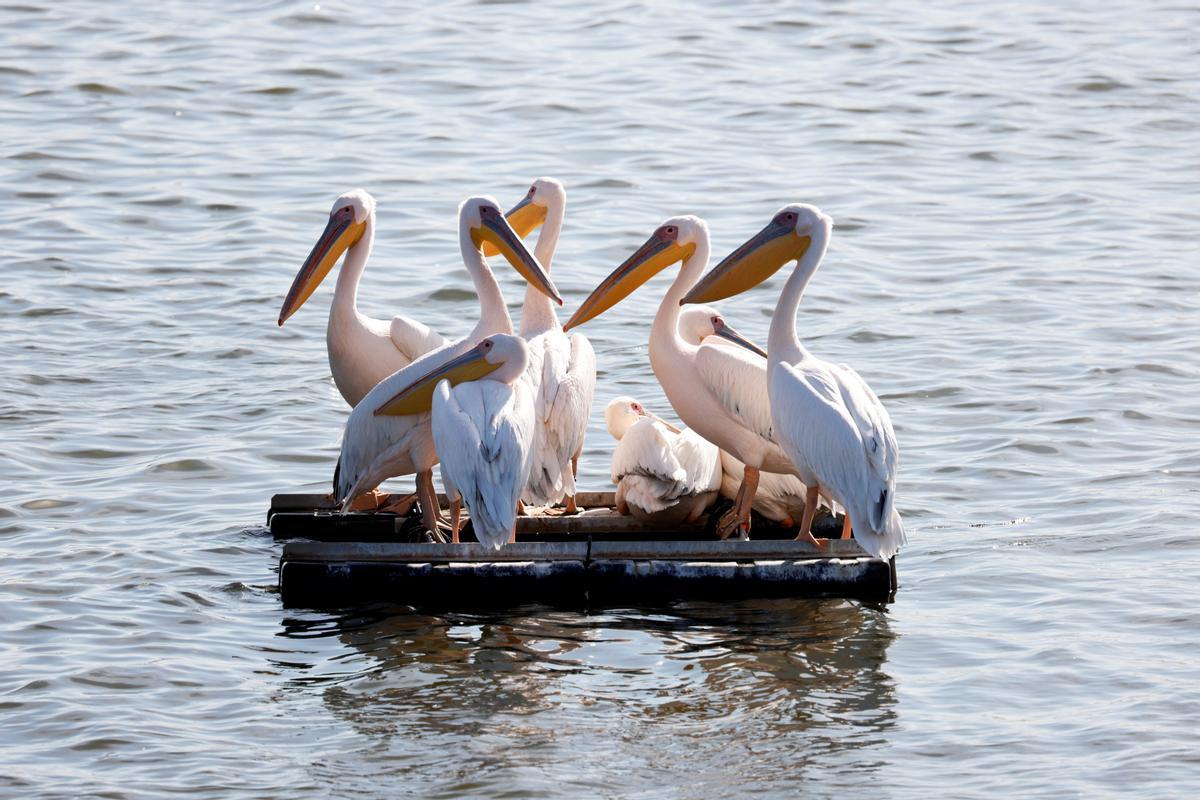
[755,691]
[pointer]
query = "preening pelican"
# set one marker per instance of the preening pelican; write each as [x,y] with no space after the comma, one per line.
[483,428]
[827,419]
[385,437]
[662,473]
[716,390]
[362,351]
[779,498]
[562,370]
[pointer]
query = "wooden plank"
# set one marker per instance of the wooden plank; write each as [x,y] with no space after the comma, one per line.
[334,527]
[579,550]
[596,523]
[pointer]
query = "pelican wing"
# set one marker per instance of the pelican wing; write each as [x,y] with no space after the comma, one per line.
[568,410]
[872,419]
[414,339]
[815,430]
[564,374]
[483,429]
[700,460]
[646,450]
[738,379]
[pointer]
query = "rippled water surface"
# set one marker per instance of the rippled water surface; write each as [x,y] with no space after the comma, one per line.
[1014,269]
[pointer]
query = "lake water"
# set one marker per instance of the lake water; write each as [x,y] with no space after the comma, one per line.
[1013,269]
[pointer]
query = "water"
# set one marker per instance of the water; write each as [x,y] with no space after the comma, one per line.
[1013,269]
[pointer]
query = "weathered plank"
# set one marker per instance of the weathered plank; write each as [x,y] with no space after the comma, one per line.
[732,551]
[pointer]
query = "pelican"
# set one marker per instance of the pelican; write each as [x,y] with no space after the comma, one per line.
[780,498]
[385,437]
[562,370]
[483,428]
[717,391]
[825,416]
[362,351]
[662,473]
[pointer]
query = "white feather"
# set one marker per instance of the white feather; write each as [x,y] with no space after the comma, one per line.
[484,432]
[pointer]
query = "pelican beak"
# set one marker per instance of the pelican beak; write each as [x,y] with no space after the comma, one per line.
[653,257]
[524,218]
[340,234]
[751,264]
[417,397]
[726,332]
[495,229]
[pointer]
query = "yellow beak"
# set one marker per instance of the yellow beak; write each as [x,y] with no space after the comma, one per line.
[751,264]
[495,229]
[650,259]
[417,397]
[340,234]
[524,218]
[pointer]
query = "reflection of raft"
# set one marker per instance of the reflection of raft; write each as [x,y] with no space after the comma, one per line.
[596,558]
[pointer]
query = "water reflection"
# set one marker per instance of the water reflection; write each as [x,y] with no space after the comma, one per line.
[783,685]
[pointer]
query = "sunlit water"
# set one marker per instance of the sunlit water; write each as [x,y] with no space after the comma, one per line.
[1013,269]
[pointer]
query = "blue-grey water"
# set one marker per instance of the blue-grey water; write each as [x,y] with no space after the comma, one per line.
[1013,269]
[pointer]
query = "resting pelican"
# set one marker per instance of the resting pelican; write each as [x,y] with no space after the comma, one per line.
[362,351]
[780,498]
[385,437]
[662,473]
[716,390]
[827,419]
[562,371]
[483,429]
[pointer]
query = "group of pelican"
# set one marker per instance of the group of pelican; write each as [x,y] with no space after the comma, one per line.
[506,414]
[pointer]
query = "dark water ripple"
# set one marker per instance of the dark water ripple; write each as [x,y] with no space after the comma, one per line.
[1013,270]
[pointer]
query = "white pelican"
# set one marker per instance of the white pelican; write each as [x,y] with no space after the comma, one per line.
[662,473]
[780,498]
[827,419]
[483,429]
[362,351]
[562,370]
[385,438]
[717,391]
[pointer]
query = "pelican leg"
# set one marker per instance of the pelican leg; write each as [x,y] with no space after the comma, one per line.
[512,537]
[571,507]
[427,497]
[738,519]
[520,508]
[455,517]
[847,530]
[810,508]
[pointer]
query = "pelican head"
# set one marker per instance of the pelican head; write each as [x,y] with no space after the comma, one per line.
[530,212]
[482,218]
[621,413]
[699,322]
[501,357]
[347,223]
[672,242]
[788,237]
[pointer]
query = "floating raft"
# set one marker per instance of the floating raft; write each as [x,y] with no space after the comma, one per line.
[594,559]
